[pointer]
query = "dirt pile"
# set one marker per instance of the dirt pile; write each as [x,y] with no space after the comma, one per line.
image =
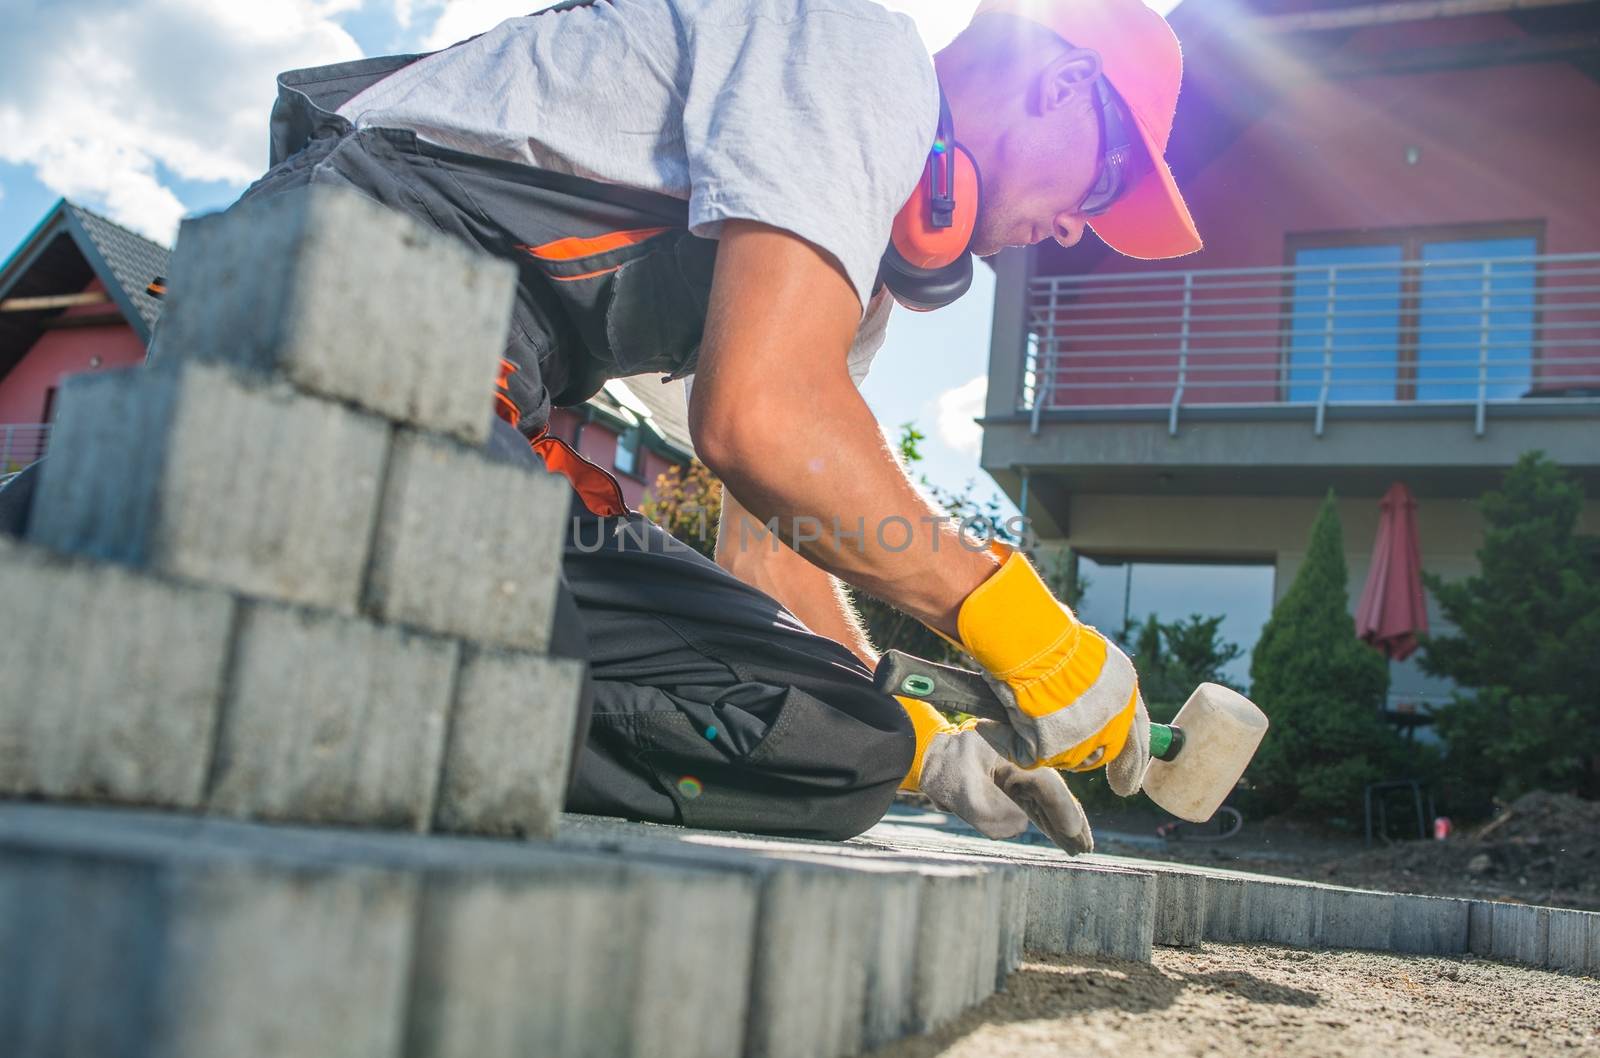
[1544,848]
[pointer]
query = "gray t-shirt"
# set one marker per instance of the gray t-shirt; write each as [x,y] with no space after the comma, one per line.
[815,116]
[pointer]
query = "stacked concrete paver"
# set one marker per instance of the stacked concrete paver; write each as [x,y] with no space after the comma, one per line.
[288,519]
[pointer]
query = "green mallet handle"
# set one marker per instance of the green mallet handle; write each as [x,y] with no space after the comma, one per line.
[962,691]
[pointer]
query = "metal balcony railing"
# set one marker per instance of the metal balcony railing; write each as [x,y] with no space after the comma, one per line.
[21,444]
[1469,334]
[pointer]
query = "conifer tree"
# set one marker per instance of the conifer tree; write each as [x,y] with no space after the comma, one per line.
[1526,650]
[1322,689]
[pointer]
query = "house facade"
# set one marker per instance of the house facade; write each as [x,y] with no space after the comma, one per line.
[74,298]
[1401,283]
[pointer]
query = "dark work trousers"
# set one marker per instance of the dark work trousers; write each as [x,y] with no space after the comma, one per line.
[708,703]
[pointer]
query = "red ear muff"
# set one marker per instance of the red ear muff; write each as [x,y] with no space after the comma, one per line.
[927,264]
[914,236]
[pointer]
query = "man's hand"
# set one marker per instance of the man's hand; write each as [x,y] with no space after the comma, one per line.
[960,773]
[1072,696]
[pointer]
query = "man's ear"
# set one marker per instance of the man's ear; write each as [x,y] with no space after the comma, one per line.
[1065,78]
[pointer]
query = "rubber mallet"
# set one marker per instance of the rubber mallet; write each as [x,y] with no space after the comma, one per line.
[1195,761]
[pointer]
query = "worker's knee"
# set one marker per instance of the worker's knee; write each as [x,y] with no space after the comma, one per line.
[882,759]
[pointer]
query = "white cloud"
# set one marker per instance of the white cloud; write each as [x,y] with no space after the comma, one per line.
[954,412]
[101,95]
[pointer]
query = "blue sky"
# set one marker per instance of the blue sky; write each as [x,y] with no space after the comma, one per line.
[151,110]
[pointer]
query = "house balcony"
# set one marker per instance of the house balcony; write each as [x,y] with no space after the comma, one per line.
[1290,380]
[21,444]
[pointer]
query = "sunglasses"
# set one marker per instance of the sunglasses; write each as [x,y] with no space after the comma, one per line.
[1123,158]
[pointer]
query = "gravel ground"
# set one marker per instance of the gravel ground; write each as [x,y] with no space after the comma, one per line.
[1232,1001]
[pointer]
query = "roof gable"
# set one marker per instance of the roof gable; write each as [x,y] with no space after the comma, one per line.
[67,249]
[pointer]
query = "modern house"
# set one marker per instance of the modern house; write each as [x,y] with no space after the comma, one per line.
[1401,283]
[73,298]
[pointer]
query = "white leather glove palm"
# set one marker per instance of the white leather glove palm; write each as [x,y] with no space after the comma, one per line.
[960,772]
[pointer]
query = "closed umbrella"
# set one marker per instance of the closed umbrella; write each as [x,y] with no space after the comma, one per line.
[1392,610]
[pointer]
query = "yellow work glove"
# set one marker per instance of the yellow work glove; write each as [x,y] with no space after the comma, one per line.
[1072,695]
[957,769]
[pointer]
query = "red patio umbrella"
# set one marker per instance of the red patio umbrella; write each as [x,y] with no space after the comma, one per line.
[1392,609]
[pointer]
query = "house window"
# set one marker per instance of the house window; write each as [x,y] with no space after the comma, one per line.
[1421,315]
[1117,595]
[627,460]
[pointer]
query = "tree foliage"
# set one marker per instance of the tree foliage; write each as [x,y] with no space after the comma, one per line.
[1525,648]
[687,504]
[1174,657]
[1322,689]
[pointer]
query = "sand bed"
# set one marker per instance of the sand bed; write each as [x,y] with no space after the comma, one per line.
[1236,1002]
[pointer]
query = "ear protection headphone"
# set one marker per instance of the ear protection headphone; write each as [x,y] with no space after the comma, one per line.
[928,264]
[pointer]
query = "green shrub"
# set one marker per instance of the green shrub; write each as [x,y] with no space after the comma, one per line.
[1322,689]
[1526,652]
[1175,657]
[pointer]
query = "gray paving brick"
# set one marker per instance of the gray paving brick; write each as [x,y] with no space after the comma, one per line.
[649,964]
[510,743]
[1480,927]
[194,474]
[110,681]
[467,546]
[332,719]
[1430,925]
[1226,916]
[817,932]
[346,299]
[980,959]
[1283,914]
[1180,919]
[1521,932]
[1091,911]
[956,947]
[1571,934]
[364,942]
[1356,920]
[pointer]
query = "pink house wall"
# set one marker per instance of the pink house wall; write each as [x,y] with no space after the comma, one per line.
[1494,144]
[598,444]
[60,353]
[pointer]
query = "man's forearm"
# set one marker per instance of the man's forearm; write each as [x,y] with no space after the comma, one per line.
[776,416]
[813,595]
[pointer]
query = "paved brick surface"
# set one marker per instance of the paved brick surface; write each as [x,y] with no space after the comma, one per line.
[838,926]
[137,934]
